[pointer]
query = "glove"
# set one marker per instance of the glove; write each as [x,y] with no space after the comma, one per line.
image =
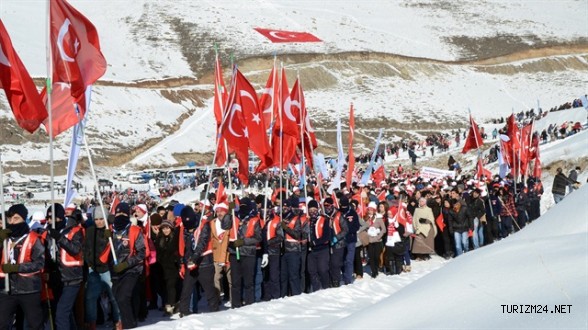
[118,268]
[239,243]
[9,268]
[4,234]
[192,265]
[284,225]
[107,233]
[182,271]
[264,260]
[335,240]
[55,234]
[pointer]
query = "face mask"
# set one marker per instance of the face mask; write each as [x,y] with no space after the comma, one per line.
[18,229]
[313,214]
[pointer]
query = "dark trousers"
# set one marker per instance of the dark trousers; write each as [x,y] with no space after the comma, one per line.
[140,297]
[304,282]
[204,276]
[271,278]
[123,288]
[374,252]
[29,303]
[290,274]
[157,284]
[395,258]
[357,263]
[348,263]
[242,274]
[335,266]
[506,225]
[447,246]
[318,269]
[64,316]
[170,279]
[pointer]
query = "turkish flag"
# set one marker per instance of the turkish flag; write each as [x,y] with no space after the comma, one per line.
[379,175]
[351,161]
[269,98]
[537,167]
[77,60]
[253,119]
[474,139]
[309,142]
[221,194]
[280,36]
[67,110]
[513,132]
[285,133]
[21,92]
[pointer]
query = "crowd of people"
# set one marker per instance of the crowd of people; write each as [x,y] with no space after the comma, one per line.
[245,249]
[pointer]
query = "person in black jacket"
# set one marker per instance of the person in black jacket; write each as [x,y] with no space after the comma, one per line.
[349,214]
[290,263]
[23,268]
[68,235]
[97,254]
[273,236]
[459,225]
[477,214]
[166,245]
[318,249]
[560,182]
[129,244]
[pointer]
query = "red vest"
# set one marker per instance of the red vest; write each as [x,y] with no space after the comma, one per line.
[319,227]
[337,223]
[197,233]
[291,225]
[25,254]
[248,233]
[272,226]
[68,260]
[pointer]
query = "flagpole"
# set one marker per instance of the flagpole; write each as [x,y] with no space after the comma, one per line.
[270,134]
[98,192]
[225,116]
[49,87]
[280,109]
[302,126]
[5,242]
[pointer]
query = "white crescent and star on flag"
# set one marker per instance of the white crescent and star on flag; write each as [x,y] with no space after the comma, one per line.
[60,38]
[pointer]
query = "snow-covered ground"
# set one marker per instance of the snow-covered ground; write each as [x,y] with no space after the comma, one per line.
[545,264]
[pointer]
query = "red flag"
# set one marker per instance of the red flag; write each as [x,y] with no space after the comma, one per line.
[220,103]
[481,171]
[221,194]
[279,36]
[21,92]
[440,222]
[537,167]
[269,98]
[513,132]
[77,59]
[525,152]
[351,161]
[379,175]
[402,215]
[115,202]
[303,121]
[66,110]
[474,139]
[285,129]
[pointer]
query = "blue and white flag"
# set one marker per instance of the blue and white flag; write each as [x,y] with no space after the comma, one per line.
[368,172]
[336,184]
[77,141]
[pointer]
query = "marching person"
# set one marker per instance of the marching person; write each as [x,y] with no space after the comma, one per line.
[318,248]
[273,236]
[69,236]
[168,257]
[339,229]
[129,244]
[220,244]
[26,258]
[97,255]
[199,263]
[244,235]
[290,265]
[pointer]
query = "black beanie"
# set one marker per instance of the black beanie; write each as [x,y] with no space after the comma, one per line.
[189,217]
[19,209]
[312,204]
[59,211]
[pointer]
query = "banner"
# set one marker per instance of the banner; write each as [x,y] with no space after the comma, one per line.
[434,173]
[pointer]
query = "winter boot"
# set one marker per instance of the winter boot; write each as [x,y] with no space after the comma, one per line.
[118,325]
[408,268]
[169,310]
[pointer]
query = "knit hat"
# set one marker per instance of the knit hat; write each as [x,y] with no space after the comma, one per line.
[167,223]
[372,205]
[244,207]
[71,207]
[188,217]
[19,209]
[344,202]
[98,213]
[313,204]
[221,206]
[142,207]
[123,208]
[59,211]
[155,219]
[328,201]
[178,209]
